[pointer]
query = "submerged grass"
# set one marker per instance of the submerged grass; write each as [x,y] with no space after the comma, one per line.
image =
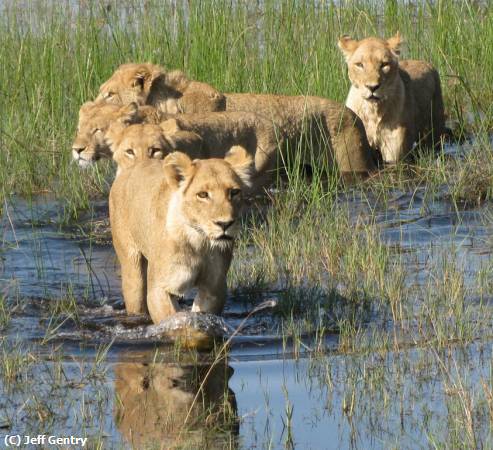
[334,270]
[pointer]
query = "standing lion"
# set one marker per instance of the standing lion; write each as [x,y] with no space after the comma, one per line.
[173,225]
[399,102]
[334,132]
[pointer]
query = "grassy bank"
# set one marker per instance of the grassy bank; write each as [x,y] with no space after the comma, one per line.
[55,55]
[339,269]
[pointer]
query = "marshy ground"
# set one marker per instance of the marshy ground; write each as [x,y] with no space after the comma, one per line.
[379,332]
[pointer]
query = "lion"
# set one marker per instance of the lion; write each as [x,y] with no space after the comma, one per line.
[335,133]
[173,224]
[399,102]
[136,143]
[170,92]
[141,141]
[204,135]
[274,142]
[95,119]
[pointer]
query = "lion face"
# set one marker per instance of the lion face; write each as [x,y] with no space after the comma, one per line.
[372,65]
[137,142]
[208,197]
[95,119]
[131,83]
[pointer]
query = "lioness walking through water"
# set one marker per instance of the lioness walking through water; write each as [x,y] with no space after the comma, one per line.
[173,224]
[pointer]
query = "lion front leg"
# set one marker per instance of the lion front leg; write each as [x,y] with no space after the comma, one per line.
[134,284]
[211,295]
[211,283]
[396,144]
[160,303]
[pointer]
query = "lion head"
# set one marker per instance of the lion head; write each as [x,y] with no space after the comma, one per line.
[132,83]
[137,142]
[207,196]
[95,119]
[171,92]
[372,65]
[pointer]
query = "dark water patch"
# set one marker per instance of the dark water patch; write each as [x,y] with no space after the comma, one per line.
[389,382]
[331,402]
[39,258]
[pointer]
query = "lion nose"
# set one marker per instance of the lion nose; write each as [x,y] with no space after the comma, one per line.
[373,87]
[78,150]
[224,225]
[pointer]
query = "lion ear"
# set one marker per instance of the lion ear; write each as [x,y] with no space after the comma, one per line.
[129,113]
[145,77]
[347,45]
[177,168]
[241,162]
[170,126]
[394,43]
[177,80]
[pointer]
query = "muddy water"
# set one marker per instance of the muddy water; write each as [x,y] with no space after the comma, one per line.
[98,374]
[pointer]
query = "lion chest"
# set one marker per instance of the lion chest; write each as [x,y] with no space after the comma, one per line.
[180,279]
[385,132]
[392,143]
[179,272]
[367,113]
[371,124]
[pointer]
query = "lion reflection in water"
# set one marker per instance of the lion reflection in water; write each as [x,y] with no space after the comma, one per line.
[164,405]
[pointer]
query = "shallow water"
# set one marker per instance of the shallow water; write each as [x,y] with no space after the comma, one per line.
[101,374]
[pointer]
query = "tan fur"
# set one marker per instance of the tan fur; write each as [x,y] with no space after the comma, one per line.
[173,225]
[91,145]
[155,398]
[222,130]
[149,84]
[206,135]
[335,132]
[400,103]
[94,120]
[139,142]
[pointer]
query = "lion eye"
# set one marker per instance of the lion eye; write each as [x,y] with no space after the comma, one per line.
[96,130]
[130,152]
[203,195]
[359,65]
[234,192]
[108,94]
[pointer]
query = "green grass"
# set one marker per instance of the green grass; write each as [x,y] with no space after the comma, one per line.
[331,269]
[56,54]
